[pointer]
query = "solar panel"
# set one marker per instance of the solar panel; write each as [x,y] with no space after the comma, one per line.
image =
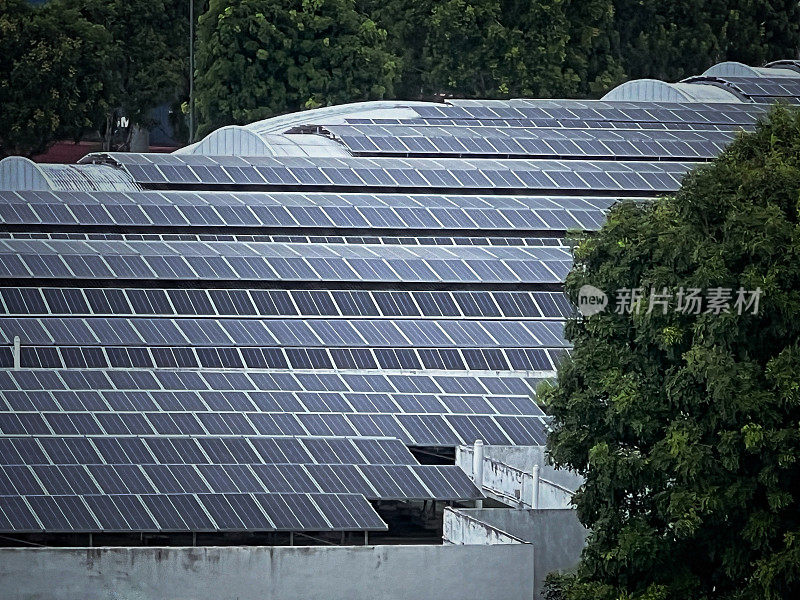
[538,142]
[221,496]
[516,112]
[542,358]
[412,412]
[414,333]
[757,89]
[285,262]
[415,173]
[252,344]
[283,303]
[175,210]
[187,512]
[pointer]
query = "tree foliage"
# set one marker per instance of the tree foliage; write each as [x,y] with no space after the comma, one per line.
[75,65]
[147,57]
[53,75]
[687,426]
[499,48]
[490,49]
[590,60]
[259,58]
[674,40]
[70,65]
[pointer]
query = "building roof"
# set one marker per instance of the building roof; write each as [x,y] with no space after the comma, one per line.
[653,90]
[248,334]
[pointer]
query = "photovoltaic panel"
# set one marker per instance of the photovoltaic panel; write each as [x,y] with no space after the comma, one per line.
[594,111]
[540,142]
[545,357]
[122,388]
[283,303]
[187,512]
[288,315]
[428,333]
[406,173]
[757,89]
[455,400]
[176,209]
[284,262]
[136,473]
[418,422]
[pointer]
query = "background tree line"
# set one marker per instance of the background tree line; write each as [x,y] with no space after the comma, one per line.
[70,66]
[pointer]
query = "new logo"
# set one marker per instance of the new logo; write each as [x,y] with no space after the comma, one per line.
[591,300]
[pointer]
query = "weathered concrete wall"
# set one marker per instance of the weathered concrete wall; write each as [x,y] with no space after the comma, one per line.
[269,573]
[505,481]
[556,535]
[460,528]
[523,458]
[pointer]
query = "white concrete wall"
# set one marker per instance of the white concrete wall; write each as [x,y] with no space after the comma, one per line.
[460,528]
[524,458]
[557,536]
[507,476]
[502,572]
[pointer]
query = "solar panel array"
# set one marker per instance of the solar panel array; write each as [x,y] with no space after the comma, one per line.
[251,344]
[580,114]
[157,171]
[315,212]
[540,142]
[757,89]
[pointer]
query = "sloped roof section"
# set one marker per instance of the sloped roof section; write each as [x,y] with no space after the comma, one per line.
[243,141]
[653,90]
[19,173]
[737,69]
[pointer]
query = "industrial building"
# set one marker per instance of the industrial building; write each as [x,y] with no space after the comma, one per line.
[259,366]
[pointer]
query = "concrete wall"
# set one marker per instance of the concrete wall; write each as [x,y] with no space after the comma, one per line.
[460,528]
[502,572]
[556,535]
[505,480]
[523,458]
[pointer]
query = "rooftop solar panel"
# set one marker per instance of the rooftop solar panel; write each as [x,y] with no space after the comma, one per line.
[251,344]
[366,404]
[98,331]
[590,111]
[280,211]
[540,142]
[134,470]
[187,512]
[395,173]
[757,89]
[68,259]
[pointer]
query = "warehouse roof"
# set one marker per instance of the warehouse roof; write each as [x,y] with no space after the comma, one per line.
[249,334]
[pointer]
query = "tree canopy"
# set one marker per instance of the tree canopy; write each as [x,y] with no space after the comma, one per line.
[259,58]
[499,48]
[71,66]
[147,57]
[673,40]
[686,426]
[53,75]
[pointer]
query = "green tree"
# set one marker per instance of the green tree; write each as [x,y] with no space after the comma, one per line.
[259,58]
[493,48]
[590,61]
[406,24]
[687,426]
[499,48]
[674,40]
[758,32]
[147,55]
[53,75]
